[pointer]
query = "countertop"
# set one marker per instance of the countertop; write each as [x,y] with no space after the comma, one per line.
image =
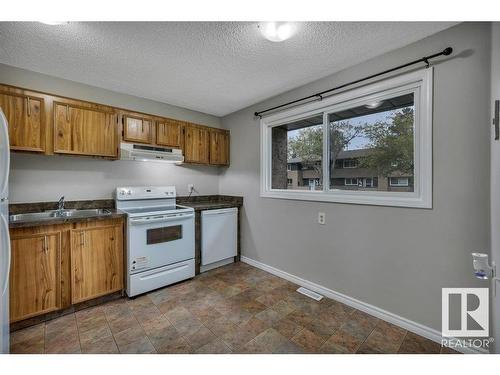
[199,203]
[65,220]
[209,206]
[210,202]
[21,208]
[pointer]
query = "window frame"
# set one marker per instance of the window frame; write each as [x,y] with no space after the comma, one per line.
[420,83]
[398,184]
[351,178]
[355,162]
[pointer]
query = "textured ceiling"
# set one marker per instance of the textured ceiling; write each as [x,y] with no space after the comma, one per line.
[212,67]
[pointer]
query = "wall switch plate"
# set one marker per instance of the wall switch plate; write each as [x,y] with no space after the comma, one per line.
[321,218]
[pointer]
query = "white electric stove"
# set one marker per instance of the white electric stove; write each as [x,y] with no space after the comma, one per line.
[160,237]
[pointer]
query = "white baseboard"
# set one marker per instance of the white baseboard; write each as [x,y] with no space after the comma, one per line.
[377,312]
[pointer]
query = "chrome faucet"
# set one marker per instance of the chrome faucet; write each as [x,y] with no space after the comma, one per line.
[60,204]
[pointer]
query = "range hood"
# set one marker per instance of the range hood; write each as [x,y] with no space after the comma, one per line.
[133,151]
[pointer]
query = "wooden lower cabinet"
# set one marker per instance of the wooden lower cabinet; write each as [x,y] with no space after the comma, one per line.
[96,262]
[55,266]
[35,275]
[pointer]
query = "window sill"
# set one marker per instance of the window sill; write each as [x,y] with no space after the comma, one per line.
[392,199]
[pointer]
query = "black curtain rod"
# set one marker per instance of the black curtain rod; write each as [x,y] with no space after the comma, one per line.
[319,95]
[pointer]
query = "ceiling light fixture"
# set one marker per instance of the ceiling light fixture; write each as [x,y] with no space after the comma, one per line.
[54,23]
[374,105]
[277,31]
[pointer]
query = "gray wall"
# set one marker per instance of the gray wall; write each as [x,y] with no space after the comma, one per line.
[45,178]
[397,259]
[495,177]
[25,78]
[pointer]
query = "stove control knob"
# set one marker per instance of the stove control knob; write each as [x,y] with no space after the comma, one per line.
[129,192]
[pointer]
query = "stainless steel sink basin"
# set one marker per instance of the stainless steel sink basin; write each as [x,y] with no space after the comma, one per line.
[57,213]
[47,215]
[85,213]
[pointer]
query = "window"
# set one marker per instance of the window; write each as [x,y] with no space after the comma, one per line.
[351,182]
[298,142]
[313,183]
[398,181]
[373,135]
[382,130]
[350,163]
[289,181]
[289,167]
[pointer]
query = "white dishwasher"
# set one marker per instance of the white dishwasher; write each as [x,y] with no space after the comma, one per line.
[219,237]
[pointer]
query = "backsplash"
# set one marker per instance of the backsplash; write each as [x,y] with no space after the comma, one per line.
[35,178]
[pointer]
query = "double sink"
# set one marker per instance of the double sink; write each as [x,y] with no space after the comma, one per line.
[56,214]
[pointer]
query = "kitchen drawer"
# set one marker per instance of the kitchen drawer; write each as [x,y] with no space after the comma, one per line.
[146,281]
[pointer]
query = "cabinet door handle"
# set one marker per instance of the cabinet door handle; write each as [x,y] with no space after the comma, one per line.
[82,238]
[496,120]
[45,245]
[142,126]
[67,112]
[28,106]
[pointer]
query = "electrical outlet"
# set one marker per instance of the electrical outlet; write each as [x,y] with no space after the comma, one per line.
[190,188]
[321,218]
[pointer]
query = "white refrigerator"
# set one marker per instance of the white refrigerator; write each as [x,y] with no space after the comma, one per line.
[4,234]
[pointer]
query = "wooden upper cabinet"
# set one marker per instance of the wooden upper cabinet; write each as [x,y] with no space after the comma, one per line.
[96,262]
[137,129]
[35,275]
[169,133]
[219,147]
[82,130]
[45,123]
[196,144]
[25,116]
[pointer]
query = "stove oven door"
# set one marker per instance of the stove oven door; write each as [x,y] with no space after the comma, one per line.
[157,241]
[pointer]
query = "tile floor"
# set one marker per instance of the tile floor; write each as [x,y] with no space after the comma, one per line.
[233,309]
